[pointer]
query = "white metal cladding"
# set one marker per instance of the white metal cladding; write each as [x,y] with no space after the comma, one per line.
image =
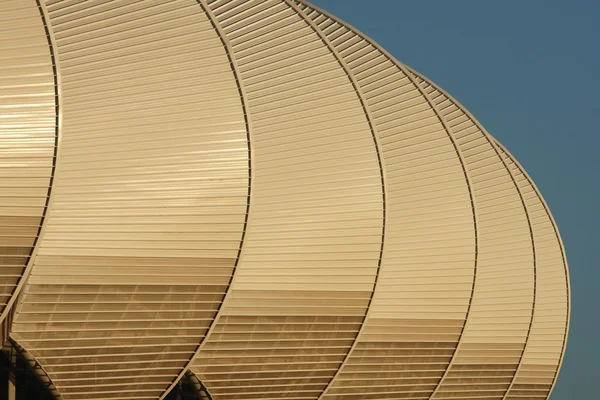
[257,192]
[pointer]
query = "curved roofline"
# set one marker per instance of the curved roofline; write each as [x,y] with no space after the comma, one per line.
[382,171]
[494,142]
[562,250]
[411,76]
[542,200]
[22,286]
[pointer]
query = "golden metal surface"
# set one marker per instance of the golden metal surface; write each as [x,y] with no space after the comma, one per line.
[255,192]
[28,137]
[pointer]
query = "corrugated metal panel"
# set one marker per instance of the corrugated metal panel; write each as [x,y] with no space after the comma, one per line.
[392,250]
[314,237]
[501,310]
[151,198]
[28,135]
[413,325]
[365,54]
[539,365]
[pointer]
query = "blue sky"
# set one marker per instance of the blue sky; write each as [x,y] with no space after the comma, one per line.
[530,73]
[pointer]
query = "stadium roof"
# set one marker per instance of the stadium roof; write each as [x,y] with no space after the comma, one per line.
[255,192]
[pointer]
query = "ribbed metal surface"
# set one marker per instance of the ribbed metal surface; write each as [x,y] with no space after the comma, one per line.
[28,122]
[314,236]
[150,199]
[501,308]
[426,280]
[259,193]
[543,352]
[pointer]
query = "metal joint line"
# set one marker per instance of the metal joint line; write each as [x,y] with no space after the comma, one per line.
[48,203]
[293,4]
[504,163]
[248,123]
[442,119]
[562,252]
[512,176]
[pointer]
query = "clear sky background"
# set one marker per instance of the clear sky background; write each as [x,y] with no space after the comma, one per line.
[529,70]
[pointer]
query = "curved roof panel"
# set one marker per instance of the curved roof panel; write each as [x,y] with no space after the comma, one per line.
[28,137]
[256,192]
